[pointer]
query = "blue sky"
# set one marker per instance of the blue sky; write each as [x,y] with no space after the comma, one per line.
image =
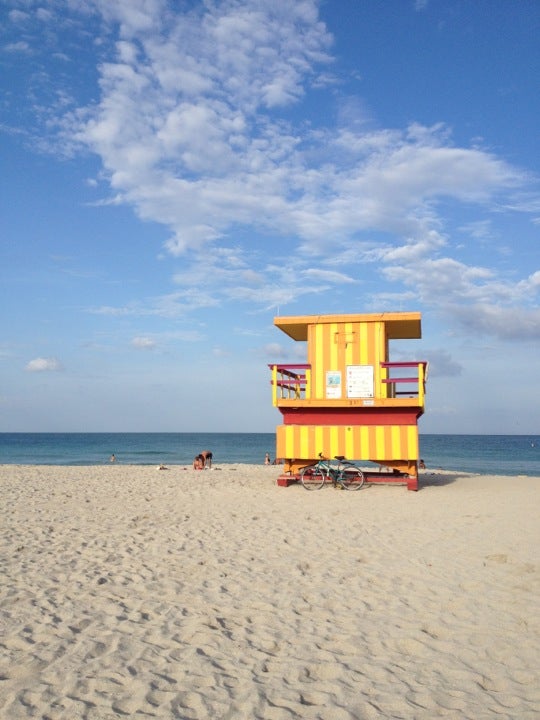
[176,174]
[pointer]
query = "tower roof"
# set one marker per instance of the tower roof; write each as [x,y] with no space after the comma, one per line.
[398,325]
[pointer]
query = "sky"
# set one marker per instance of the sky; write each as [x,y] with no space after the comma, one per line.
[174,175]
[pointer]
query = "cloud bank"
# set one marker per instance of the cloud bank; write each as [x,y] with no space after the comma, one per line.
[201,124]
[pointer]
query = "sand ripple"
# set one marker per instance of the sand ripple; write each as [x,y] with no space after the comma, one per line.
[128,592]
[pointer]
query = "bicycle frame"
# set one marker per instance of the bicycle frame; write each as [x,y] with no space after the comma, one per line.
[345,475]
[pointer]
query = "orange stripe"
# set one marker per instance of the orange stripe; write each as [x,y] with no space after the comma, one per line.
[318,363]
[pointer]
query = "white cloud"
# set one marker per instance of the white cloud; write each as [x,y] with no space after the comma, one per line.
[143,343]
[329,276]
[194,131]
[479,229]
[275,352]
[171,305]
[474,298]
[17,47]
[44,15]
[187,115]
[513,323]
[184,133]
[44,365]
[18,16]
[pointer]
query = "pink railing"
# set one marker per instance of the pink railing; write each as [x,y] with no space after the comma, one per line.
[290,381]
[417,377]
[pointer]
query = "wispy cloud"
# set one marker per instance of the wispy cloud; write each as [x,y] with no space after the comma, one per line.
[441,364]
[512,323]
[17,47]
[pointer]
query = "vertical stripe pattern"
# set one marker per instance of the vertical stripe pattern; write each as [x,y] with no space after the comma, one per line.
[372,442]
[334,346]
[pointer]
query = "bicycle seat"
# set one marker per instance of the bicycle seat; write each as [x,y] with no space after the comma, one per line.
[340,457]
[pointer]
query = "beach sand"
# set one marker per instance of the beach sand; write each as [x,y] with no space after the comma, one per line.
[129,592]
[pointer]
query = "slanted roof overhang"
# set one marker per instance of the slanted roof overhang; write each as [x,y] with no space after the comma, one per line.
[398,325]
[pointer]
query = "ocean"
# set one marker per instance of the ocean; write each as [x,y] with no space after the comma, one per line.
[487,454]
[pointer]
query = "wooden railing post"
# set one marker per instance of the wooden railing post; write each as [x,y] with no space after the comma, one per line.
[421,389]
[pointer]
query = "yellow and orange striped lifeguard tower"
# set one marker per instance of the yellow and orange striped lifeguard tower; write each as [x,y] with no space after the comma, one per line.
[349,399]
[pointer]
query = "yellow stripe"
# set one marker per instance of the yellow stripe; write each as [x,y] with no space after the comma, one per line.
[281,441]
[327,340]
[375,357]
[285,440]
[318,361]
[379,340]
[297,434]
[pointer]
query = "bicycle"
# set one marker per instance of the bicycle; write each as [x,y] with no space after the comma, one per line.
[346,475]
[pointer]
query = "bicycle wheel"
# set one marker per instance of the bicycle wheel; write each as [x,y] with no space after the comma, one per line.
[312,477]
[351,478]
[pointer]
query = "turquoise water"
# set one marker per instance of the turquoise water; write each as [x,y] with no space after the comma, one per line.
[490,454]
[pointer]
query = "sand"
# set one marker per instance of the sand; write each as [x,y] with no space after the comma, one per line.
[128,592]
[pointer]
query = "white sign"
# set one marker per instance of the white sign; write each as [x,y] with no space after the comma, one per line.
[333,384]
[359,381]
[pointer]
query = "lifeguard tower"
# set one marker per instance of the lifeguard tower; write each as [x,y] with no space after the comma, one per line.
[349,399]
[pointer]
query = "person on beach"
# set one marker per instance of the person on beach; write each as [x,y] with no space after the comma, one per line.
[207,458]
[112,458]
[267,459]
[198,462]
